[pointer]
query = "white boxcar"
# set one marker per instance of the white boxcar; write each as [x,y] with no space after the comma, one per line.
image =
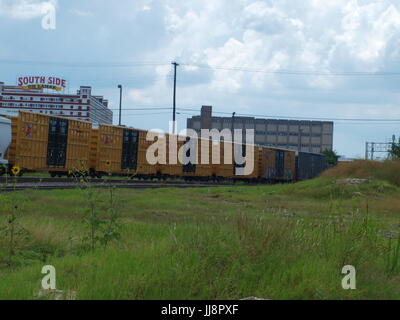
[5,138]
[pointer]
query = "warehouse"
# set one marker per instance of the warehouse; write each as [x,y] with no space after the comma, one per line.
[299,135]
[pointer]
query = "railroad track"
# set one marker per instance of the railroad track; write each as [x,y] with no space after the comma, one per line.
[20,183]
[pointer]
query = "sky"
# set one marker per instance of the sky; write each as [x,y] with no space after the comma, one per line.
[233,54]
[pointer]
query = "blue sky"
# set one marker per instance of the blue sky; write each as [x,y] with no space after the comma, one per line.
[316,36]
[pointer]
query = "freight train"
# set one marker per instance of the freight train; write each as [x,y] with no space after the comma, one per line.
[33,142]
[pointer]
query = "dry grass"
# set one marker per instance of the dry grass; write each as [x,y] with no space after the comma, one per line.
[365,169]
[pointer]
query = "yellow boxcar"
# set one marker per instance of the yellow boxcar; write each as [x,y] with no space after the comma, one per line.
[290,165]
[251,167]
[277,165]
[121,150]
[48,143]
[144,168]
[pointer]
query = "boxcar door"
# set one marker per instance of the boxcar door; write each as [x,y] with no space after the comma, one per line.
[190,145]
[239,151]
[57,142]
[130,148]
[280,163]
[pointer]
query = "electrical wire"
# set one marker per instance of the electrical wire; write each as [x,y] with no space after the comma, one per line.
[83,64]
[294,72]
[145,114]
[298,118]
[108,64]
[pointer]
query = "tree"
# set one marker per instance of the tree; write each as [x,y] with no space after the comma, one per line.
[331,157]
[395,151]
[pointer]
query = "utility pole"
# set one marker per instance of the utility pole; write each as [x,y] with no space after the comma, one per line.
[233,125]
[120,103]
[372,151]
[300,136]
[174,99]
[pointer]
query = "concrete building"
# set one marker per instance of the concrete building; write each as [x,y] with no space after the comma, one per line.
[81,106]
[306,136]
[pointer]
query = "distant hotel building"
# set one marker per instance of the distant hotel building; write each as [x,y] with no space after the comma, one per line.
[306,136]
[81,106]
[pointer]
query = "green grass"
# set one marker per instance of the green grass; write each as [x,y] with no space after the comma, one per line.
[277,242]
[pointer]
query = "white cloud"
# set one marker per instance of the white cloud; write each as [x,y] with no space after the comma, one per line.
[139,96]
[81,13]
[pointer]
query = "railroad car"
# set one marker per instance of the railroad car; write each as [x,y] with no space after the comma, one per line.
[278,165]
[309,165]
[52,144]
[63,146]
[120,150]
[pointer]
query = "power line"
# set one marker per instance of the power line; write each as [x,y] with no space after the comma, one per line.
[146,114]
[83,64]
[143,109]
[295,72]
[179,109]
[108,64]
[299,118]
[366,123]
[354,120]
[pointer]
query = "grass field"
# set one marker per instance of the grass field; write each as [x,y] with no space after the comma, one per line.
[275,242]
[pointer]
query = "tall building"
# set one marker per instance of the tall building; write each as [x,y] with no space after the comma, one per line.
[305,136]
[81,106]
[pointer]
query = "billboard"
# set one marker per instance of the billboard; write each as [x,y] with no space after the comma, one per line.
[40,82]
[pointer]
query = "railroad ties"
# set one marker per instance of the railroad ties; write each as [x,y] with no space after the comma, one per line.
[24,183]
